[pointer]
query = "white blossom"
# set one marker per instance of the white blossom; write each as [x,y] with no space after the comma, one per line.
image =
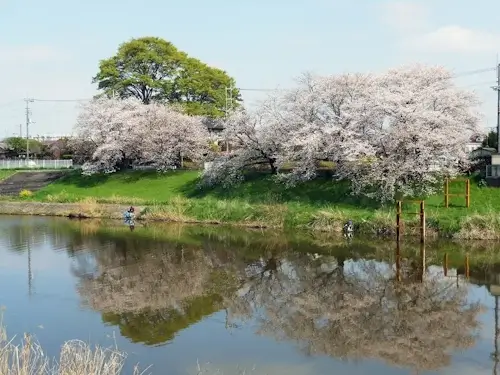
[112,134]
[171,135]
[255,141]
[107,133]
[427,122]
[396,133]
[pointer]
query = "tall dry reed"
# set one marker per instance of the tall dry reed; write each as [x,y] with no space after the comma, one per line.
[76,358]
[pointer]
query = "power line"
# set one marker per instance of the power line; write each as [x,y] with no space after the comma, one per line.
[489,83]
[243,89]
[456,75]
[61,100]
[473,72]
[10,103]
[497,89]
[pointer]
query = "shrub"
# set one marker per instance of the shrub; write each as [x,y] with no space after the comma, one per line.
[25,193]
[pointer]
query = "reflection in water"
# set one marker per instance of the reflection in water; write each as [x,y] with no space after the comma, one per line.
[349,309]
[362,300]
[361,312]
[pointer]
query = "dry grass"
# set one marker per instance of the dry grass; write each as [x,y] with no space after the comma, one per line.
[115,199]
[329,220]
[480,226]
[62,196]
[174,211]
[90,207]
[76,358]
[273,216]
[333,220]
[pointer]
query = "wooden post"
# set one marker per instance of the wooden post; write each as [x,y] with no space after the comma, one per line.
[422,221]
[398,261]
[467,193]
[398,220]
[445,264]
[467,266]
[446,193]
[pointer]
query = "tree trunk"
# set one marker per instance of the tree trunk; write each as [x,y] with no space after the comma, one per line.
[274,170]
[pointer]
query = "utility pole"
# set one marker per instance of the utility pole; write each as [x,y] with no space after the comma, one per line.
[497,89]
[498,108]
[229,99]
[28,113]
[229,107]
[20,130]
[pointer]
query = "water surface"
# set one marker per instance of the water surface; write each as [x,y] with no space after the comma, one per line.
[179,297]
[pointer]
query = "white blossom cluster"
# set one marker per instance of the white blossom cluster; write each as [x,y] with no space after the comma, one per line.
[113,133]
[399,132]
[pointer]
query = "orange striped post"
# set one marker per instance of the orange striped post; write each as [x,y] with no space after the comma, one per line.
[446,192]
[422,221]
[445,264]
[398,220]
[467,270]
[467,193]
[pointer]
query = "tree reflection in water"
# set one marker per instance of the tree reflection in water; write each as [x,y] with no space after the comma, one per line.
[151,296]
[362,311]
[330,306]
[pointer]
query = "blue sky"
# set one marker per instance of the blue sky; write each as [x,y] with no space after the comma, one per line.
[50,49]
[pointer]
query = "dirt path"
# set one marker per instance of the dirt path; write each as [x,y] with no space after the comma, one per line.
[32,181]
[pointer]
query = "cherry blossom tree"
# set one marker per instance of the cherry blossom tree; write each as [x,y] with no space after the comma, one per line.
[256,141]
[171,135]
[114,134]
[396,133]
[399,132]
[330,118]
[427,122]
[108,133]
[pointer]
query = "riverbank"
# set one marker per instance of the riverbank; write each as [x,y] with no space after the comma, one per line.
[319,205]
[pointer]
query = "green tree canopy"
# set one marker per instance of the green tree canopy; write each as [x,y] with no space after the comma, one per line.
[18,145]
[491,140]
[153,69]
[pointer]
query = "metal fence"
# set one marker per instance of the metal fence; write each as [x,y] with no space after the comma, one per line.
[36,164]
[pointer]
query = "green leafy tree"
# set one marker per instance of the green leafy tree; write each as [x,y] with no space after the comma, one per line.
[18,145]
[491,140]
[153,69]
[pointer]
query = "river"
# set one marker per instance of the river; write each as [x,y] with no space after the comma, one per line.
[195,299]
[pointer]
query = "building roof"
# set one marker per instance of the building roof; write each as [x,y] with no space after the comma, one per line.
[214,124]
[4,146]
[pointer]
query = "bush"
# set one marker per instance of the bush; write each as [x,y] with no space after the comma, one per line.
[25,193]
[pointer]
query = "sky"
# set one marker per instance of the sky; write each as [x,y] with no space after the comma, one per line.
[50,49]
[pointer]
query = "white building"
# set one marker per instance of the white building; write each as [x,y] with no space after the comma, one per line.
[474,143]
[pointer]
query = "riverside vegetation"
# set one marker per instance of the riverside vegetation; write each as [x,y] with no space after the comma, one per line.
[317,205]
[76,357]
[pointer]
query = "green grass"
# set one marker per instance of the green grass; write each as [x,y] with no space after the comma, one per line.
[155,188]
[319,205]
[149,186]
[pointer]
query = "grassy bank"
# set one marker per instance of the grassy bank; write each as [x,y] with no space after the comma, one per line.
[320,205]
